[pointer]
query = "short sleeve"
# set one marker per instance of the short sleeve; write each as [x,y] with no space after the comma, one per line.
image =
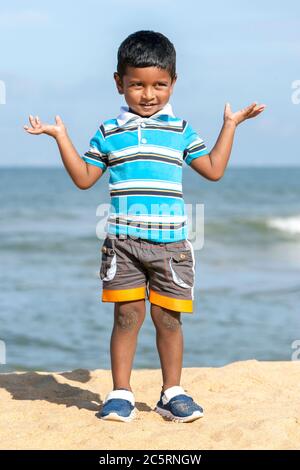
[194,146]
[97,154]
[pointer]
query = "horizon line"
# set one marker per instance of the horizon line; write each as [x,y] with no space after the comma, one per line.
[56,167]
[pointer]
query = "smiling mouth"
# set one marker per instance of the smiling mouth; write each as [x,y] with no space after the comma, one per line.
[147,105]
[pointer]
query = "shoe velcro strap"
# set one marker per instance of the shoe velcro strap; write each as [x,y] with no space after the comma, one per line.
[172,392]
[123,394]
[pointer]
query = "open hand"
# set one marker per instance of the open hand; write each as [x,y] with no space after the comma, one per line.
[246,113]
[37,127]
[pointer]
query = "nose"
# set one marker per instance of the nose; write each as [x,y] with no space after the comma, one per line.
[148,94]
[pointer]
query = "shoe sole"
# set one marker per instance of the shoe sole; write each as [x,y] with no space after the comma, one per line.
[116,417]
[179,419]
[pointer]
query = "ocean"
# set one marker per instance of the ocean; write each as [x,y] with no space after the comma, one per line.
[247,287]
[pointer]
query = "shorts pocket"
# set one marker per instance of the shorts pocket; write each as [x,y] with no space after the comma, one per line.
[108,263]
[182,269]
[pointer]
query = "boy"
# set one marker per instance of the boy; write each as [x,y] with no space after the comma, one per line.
[144,148]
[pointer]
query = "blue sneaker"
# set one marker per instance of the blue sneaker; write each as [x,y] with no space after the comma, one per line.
[176,405]
[119,405]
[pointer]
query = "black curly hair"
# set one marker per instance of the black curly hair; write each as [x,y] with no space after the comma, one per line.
[147,49]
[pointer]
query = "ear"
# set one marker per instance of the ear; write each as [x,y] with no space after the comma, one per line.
[173,82]
[119,83]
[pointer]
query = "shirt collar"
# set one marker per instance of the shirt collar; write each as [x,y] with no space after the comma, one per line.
[125,115]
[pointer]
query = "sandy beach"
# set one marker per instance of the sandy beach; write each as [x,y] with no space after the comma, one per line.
[248,405]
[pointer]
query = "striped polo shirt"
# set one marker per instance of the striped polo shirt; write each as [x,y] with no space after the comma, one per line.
[145,157]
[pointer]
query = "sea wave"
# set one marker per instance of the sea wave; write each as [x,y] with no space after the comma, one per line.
[285,224]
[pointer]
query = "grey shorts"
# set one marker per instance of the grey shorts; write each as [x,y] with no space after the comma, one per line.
[134,268]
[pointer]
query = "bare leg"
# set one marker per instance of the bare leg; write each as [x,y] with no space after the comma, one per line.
[169,341]
[128,319]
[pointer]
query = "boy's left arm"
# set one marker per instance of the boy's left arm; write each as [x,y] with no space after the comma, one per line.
[213,165]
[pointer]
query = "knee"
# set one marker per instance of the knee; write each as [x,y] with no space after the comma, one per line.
[129,317]
[165,319]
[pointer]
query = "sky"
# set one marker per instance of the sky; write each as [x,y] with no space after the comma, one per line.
[59,57]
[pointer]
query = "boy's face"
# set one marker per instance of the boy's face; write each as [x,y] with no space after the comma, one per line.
[145,85]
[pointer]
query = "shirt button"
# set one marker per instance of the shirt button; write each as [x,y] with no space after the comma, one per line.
[143,124]
[144,141]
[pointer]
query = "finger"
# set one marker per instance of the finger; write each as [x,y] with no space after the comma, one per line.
[257,106]
[58,120]
[30,130]
[227,109]
[250,108]
[37,120]
[258,109]
[256,112]
[32,121]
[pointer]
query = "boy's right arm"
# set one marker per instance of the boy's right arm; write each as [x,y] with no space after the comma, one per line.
[83,174]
